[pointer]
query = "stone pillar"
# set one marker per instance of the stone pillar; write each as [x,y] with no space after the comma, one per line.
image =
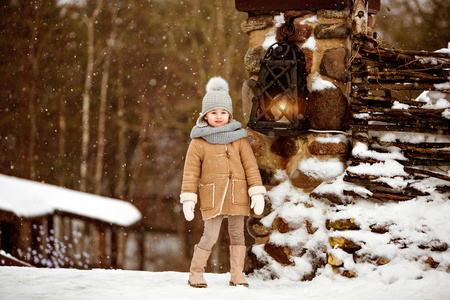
[325,38]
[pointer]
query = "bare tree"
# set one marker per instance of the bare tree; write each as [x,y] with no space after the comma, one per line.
[208,35]
[139,154]
[33,21]
[89,21]
[62,138]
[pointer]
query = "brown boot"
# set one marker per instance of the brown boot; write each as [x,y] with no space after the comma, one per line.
[237,259]
[197,268]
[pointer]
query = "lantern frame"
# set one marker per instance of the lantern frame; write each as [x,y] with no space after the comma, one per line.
[279,106]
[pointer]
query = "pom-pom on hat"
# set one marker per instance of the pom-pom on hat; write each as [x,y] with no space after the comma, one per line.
[216,97]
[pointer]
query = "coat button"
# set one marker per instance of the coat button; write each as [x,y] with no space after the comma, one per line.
[231,174]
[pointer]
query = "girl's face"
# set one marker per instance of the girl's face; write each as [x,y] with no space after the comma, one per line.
[217,117]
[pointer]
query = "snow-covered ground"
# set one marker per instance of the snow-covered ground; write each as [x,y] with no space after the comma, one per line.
[32,283]
[406,276]
[415,228]
[418,224]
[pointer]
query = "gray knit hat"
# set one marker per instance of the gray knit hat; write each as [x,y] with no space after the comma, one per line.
[216,97]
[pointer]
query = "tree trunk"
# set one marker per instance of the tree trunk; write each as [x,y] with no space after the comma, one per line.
[32,114]
[33,56]
[89,22]
[62,139]
[121,138]
[101,140]
[138,158]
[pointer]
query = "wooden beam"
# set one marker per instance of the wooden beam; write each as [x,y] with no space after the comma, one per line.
[102,255]
[269,5]
[114,248]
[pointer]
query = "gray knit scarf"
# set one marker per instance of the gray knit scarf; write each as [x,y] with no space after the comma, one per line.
[224,134]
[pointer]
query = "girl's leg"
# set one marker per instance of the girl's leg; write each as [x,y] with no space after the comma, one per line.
[202,251]
[238,250]
[197,267]
[236,230]
[211,230]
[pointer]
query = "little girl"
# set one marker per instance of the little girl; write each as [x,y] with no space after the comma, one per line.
[221,165]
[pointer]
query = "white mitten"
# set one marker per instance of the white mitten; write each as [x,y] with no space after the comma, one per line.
[257,203]
[188,210]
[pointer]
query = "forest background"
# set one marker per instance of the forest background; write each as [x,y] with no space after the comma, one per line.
[100,96]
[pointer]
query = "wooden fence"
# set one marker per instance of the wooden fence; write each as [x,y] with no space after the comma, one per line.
[63,240]
[385,84]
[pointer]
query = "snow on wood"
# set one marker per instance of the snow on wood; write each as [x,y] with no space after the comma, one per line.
[28,199]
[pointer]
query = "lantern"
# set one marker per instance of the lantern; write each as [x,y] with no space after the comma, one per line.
[280,103]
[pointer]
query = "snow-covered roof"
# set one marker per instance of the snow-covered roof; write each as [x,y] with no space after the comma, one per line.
[28,199]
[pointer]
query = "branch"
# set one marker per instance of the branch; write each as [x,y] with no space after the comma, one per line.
[394,72]
[424,172]
[397,87]
[438,131]
[412,161]
[408,146]
[362,98]
[362,180]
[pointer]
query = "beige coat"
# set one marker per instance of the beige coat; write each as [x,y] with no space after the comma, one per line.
[225,176]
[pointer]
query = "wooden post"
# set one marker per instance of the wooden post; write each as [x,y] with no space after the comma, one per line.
[68,241]
[141,242]
[91,245]
[78,230]
[114,248]
[34,234]
[22,240]
[360,15]
[51,239]
[38,241]
[120,236]
[1,233]
[6,236]
[102,247]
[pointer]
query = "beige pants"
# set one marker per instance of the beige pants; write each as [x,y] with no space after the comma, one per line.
[212,229]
